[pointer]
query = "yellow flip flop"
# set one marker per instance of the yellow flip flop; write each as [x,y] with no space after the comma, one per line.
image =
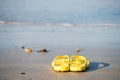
[78,63]
[61,63]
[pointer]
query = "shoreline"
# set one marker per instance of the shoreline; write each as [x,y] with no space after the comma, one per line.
[58,24]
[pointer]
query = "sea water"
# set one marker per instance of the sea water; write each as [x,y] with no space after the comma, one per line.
[60,11]
[58,23]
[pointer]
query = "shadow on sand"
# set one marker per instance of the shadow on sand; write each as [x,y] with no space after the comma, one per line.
[97,65]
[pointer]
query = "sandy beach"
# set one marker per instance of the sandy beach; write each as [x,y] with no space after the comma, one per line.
[100,44]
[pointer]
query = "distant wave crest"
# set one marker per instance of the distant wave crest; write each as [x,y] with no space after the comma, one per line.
[54,24]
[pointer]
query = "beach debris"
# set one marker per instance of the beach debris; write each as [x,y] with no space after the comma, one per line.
[43,50]
[23,73]
[23,47]
[28,50]
[77,50]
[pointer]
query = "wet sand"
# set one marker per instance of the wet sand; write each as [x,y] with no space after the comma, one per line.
[99,44]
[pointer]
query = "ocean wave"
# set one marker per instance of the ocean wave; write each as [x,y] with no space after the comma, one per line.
[55,24]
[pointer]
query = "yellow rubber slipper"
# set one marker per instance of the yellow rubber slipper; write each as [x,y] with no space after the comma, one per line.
[78,63]
[61,63]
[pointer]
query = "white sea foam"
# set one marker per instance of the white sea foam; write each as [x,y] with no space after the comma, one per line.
[2,22]
[57,24]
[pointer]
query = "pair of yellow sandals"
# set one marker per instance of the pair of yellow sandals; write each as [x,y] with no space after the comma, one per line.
[74,63]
